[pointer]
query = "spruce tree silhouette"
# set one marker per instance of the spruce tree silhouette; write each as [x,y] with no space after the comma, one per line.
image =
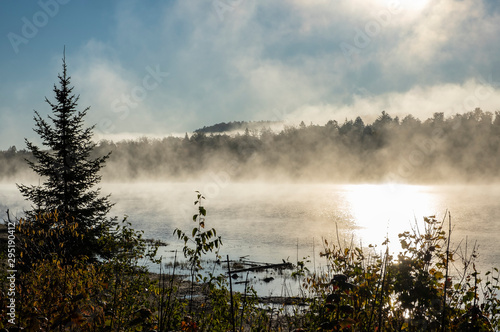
[69,173]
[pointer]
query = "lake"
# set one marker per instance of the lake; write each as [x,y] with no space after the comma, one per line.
[270,222]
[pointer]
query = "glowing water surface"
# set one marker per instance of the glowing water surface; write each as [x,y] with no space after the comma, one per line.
[271,222]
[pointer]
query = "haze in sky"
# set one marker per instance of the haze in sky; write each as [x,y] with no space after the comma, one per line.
[167,67]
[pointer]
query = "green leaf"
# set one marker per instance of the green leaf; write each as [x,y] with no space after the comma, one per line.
[203,211]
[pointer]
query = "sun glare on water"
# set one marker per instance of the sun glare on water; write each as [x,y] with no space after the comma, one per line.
[385,210]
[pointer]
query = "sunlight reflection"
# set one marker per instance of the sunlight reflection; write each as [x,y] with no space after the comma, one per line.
[387,209]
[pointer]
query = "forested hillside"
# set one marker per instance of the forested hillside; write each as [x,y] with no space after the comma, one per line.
[237,126]
[463,147]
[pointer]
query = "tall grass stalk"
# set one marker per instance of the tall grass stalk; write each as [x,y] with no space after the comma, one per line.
[445,290]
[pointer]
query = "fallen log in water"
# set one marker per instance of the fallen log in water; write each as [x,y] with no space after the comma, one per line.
[287,300]
[286,265]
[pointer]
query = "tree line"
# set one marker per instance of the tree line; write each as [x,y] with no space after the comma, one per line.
[235,125]
[462,147]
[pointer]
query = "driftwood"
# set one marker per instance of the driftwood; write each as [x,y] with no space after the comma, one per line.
[288,300]
[286,265]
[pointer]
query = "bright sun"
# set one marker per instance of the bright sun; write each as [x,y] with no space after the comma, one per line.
[381,210]
[413,5]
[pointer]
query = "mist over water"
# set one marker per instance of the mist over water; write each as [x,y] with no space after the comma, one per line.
[272,222]
[267,222]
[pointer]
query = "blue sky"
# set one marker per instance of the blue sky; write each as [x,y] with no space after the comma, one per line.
[167,67]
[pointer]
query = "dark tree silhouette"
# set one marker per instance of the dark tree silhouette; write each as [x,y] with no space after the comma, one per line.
[68,171]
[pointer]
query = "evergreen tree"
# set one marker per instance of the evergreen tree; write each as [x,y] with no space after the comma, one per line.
[69,172]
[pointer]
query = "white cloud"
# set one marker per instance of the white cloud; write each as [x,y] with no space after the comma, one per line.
[421,101]
[118,96]
[101,83]
[448,31]
[266,57]
[247,64]
[243,66]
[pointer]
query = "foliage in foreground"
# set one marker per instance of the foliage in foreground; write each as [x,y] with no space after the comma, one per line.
[415,291]
[58,292]
[420,289]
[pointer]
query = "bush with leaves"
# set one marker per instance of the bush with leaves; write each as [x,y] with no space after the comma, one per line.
[414,292]
[129,298]
[56,293]
[352,292]
[204,241]
[220,309]
[46,236]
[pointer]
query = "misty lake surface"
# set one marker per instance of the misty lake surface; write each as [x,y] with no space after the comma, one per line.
[271,222]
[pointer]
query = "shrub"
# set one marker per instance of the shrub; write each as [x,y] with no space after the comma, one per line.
[57,291]
[413,292]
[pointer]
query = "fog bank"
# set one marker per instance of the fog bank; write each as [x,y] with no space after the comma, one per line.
[459,148]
